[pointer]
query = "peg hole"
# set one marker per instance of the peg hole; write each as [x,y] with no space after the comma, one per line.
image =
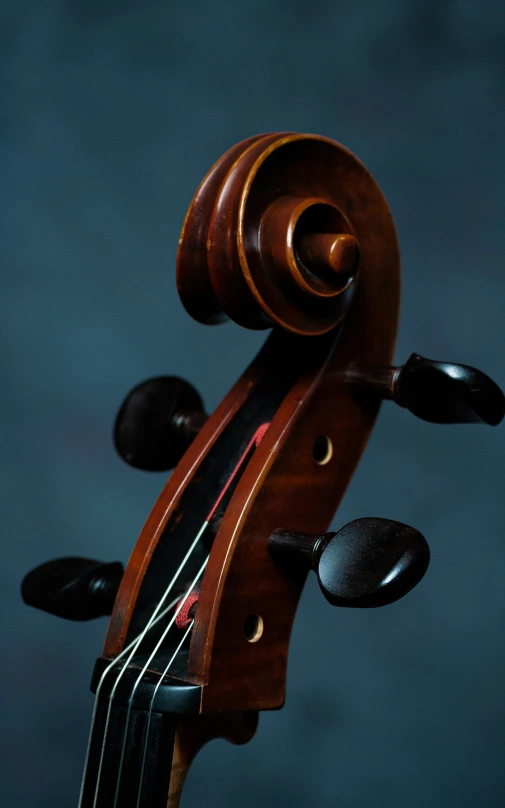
[253,628]
[322,450]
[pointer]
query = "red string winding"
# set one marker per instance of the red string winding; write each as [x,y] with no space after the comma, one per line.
[183,618]
[255,441]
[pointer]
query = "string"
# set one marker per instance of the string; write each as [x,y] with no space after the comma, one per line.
[255,440]
[153,699]
[134,650]
[102,678]
[141,674]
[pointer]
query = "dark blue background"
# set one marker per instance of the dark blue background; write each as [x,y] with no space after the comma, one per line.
[111,112]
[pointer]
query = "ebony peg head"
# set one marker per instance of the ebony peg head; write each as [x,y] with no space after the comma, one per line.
[74,588]
[157,422]
[369,562]
[446,393]
[439,392]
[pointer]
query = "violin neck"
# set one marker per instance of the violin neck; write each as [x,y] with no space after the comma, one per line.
[172,743]
[134,768]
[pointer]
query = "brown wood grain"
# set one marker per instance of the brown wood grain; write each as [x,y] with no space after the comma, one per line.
[284,487]
[193,732]
[221,271]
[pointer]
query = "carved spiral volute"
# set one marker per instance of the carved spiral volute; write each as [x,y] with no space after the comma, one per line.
[270,237]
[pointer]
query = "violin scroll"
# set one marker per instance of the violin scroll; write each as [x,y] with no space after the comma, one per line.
[292,232]
[269,238]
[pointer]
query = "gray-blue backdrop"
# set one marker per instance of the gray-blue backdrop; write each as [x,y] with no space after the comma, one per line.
[111,112]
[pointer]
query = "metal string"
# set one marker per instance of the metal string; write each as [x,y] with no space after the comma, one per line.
[141,674]
[102,678]
[136,645]
[153,699]
[255,440]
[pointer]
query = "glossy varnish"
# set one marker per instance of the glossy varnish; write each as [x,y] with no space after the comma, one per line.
[331,321]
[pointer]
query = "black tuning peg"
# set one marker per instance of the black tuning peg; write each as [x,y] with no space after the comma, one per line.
[74,588]
[157,422]
[369,562]
[440,392]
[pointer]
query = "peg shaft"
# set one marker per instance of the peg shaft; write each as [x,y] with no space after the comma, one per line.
[298,548]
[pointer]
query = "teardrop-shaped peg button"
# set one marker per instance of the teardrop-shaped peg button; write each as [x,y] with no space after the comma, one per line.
[157,422]
[367,563]
[73,588]
[439,392]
